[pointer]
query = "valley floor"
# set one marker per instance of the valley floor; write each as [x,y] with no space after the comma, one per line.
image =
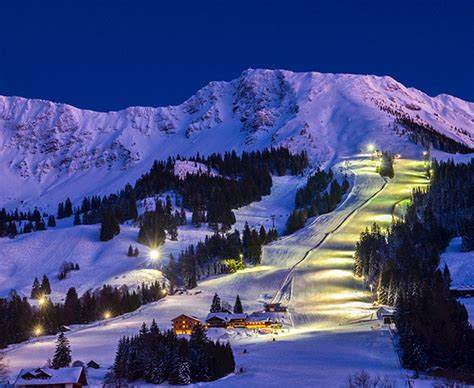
[331,329]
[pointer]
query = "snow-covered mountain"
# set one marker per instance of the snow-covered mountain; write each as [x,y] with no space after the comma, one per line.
[50,150]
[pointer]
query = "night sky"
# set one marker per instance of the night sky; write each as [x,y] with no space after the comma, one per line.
[107,55]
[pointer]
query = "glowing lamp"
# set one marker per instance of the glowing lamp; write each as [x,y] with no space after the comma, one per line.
[107,315]
[378,163]
[38,330]
[42,301]
[153,254]
[370,148]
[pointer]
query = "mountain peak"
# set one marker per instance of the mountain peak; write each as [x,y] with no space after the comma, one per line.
[45,144]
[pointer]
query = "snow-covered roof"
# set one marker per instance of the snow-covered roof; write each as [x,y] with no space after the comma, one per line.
[385,310]
[186,316]
[226,316]
[259,317]
[56,376]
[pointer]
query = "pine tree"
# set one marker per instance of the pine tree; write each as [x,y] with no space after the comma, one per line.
[72,307]
[60,210]
[62,355]
[110,226]
[216,304]
[51,221]
[238,309]
[36,289]
[77,219]
[263,235]
[447,276]
[45,285]
[68,208]
[136,252]
[183,217]
[180,373]
[130,251]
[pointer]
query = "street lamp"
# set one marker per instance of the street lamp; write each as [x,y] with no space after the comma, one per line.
[42,301]
[371,287]
[107,315]
[371,148]
[37,331]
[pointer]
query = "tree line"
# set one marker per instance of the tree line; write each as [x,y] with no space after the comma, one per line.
[241,180]
[158,357]
[18,319]
[320,195]
[402,264]
[218,254]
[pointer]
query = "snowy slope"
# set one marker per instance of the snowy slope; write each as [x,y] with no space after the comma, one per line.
[49,151]
[314,353]
[34,254]
[460,264]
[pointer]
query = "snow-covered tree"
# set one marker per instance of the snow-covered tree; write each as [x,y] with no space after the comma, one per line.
[238,309]
[62,355]
[216,304]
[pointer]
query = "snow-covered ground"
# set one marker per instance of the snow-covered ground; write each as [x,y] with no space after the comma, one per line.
[460,264]
[461,267]
[333,334]
[185,167]
[34,254]
[49,151]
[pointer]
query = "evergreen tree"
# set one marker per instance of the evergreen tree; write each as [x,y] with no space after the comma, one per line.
[62,355]
[72,307]
[180,373]
[447,276]
[36,289]
[60,210]
[68,208]
[136,252]
[263,235]
[110,226]
[130,251]
[51,221]
[238,309]
[216,304]
[45,285]
[77,219]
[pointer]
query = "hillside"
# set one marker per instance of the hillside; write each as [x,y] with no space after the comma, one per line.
[49,151]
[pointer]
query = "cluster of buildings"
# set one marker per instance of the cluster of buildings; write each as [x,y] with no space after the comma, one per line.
[184,324]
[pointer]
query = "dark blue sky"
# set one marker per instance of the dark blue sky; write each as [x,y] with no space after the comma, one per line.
[107,55]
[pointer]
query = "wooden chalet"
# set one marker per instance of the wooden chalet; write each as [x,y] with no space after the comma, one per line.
[184,324]
[93,364]
[386,314]
[74,377]
[226,319]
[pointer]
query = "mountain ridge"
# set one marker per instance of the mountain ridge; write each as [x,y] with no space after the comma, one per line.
[46,145]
